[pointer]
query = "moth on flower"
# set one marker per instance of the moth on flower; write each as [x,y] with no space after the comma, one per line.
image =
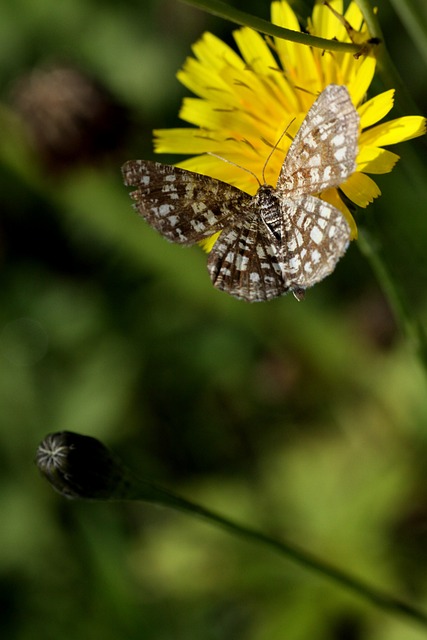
[279,240]
[243,102]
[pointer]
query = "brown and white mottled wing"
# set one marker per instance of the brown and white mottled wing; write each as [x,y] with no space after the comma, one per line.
[185,207]
[282,239]
[317,237]
[245,263]
[323,152]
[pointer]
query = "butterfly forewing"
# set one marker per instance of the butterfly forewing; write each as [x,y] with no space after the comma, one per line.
[183,206]
[323,152]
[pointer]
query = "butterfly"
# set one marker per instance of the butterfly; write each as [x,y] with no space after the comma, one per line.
[283,238]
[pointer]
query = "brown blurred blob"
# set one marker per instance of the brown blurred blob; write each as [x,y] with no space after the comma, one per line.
[70,118]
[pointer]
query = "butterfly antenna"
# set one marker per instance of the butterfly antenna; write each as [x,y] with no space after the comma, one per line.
[274,149]
[215,155]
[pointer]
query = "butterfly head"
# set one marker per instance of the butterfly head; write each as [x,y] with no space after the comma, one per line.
[266,198]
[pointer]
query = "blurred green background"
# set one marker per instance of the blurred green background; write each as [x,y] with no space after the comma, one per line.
[306,420]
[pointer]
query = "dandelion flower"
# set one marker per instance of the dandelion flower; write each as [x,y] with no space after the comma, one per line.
[245,102]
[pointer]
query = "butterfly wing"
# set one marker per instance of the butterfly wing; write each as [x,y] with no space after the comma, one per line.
[317,236]
[323,152]
[245,261]
[183,206]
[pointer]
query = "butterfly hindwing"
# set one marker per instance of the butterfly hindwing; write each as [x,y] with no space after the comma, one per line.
[245,262]
[183,206]
[317,237]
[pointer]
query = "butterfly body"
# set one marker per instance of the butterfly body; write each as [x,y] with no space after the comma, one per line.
[268,203]
[283,238]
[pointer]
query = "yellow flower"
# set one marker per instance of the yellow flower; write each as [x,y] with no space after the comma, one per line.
[246,101]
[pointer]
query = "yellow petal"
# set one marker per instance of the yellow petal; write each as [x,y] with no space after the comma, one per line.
[201,74]
[297,60]
[261,71]
[205,83]
[206,114]
[187,141]
[258,95]
[346,66]
[254,50]
[325,23]
[213,53]
[359,84]
[394,131]
[221,170]
[361,189]
[354,16]
[229,123]
[283,15]
[376,109]
[208,243]
[375,160]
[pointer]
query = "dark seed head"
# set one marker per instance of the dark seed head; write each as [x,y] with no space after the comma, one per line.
[78,466]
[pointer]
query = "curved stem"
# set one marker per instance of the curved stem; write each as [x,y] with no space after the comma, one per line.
[415,23]
[223,10]
[291,552]
[409,325]
[82,467]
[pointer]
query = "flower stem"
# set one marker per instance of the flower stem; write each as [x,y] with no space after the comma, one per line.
[409,325]
[415,23]
[223,10]
[82,467]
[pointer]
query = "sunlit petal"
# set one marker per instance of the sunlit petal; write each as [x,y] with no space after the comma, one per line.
[376,109]
[394,131]
[376,160]
[361,189]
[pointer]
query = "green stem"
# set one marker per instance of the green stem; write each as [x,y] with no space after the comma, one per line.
[409,325]
[294,553]
[82,467]
[223,10]
[415,23]
[387,70]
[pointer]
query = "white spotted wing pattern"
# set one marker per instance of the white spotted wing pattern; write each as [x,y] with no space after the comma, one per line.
[282,239]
